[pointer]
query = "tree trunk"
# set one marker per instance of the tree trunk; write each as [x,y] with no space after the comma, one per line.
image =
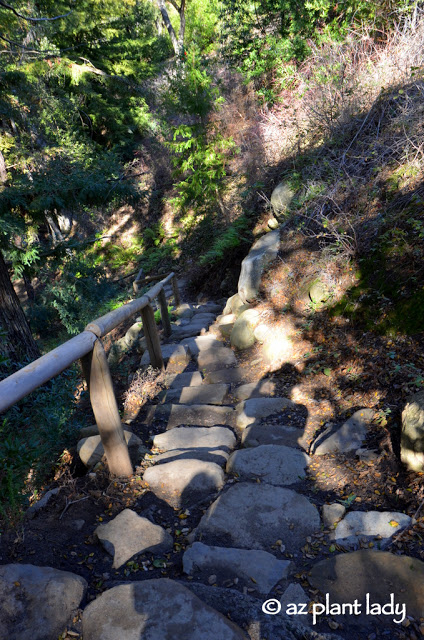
[181,33]
[16,342]
[168,25]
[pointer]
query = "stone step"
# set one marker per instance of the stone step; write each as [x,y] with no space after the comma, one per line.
[261,389]
[255,516]
[182,483]
[205,394]
[218,456]
[195,326]
[215,359]
[201,343]
[151,609]
[172,354]
[196,437]
[202,415]
[257,569]
[185,379]
[250,411]
[226,376]
[275,434]
[280,466]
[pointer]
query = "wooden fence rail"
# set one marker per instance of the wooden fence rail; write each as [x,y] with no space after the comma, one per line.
[88,348]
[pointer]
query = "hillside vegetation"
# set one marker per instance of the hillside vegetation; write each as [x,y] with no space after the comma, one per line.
[117,154]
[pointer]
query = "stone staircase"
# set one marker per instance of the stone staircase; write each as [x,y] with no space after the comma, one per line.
[213,451]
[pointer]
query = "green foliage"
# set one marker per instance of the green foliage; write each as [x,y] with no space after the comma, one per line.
[33,434]
[230,238]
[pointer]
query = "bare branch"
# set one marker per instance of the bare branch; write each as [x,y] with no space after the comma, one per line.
[19,15]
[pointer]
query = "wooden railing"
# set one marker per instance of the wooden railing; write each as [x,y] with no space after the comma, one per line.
[88,348]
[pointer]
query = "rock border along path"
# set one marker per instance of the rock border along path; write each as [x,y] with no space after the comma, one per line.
[256,522]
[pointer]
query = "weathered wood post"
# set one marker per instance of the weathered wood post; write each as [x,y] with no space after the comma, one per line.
[164,313]
[175,289]
[105,409]
[152,338]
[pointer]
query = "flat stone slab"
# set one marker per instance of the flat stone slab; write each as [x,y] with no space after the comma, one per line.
[196,437]
[204,394]
[249,411]
[257,569]
[209,307]
[277,434]
[216,359]
[262,252]
[185,379]
[261,389]
[201,343]
[365,526]
[184,482]
[203,415]
[91,450]
[218,456]
[172,354]
[226,376]
[37,603]
[348,437]
[193,328]
[279,466]
[255,516]
[129,534]
[349,576]
[153,610]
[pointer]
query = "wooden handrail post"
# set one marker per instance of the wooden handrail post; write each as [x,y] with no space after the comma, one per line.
[177,298]
[105,409]
[152,338]
[164,313]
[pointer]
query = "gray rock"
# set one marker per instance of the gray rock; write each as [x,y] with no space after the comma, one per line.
[412,436]
[195,437]
[129,534]
[242,335]
[261,389]
[153,610]
[281,198]
[318,292]
[184,311]
[260,255]
[91,450]
[249,411]
[368,526]
[184,482]
[367,455]
[279,466]
[201,343]
[172,354]
[32,510]
[209,317]
[261,332]
[349,576]
[192,329]
[332,513]
[255,516]
[215,359]
[209,307]
[227,376]
[186,379]
[274,434]
[218,456]
[134,333]
[246,611]
[257,569]
[295,595]
[348,437]
[37,603]
[203,415]
[205,394]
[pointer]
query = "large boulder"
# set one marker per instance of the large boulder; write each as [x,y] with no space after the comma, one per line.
[348,437]
[242,334]
[260,255]
[37,603]
[281,198]
[155,609]
[412,438]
